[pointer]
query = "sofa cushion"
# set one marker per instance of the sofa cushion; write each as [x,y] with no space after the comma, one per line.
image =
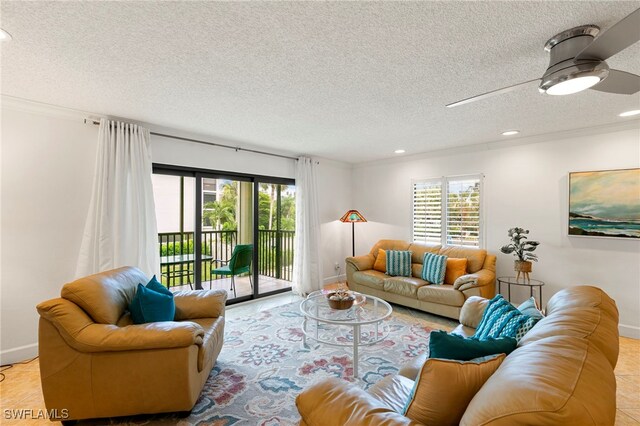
[381,261]
[444,388]
[404,286]
[370,278]
[157,286]
[475,257]
[107,295]
[419,249]
[455,269]
[434,267]
[530,307]
[454,346]
[394,390]
[443,294]
[151,306]
[389,245]
[501,318]
[398,263]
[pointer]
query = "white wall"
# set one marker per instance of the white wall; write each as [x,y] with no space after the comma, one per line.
[525,185]
[47,172]
[47,162]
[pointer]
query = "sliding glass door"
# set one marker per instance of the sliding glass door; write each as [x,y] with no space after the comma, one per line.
[276,230]
[209,237]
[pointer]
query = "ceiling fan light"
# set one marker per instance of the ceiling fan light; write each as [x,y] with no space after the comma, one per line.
[4,36]
[573,85]
[629,113]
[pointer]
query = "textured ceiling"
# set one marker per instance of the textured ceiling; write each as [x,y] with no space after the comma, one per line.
[351,81]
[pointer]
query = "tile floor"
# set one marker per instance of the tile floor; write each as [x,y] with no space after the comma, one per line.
[21,387]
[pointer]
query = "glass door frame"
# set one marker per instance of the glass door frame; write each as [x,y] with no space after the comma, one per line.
[200,174]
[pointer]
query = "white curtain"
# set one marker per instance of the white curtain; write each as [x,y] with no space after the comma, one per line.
[121,226]
[307,273]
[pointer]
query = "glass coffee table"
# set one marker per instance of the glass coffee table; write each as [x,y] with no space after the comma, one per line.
[360,325]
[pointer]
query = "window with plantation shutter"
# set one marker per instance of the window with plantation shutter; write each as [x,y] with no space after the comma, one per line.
[447,210]
[427,211]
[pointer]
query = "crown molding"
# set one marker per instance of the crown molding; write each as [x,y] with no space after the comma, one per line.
[49,110]
[628,124]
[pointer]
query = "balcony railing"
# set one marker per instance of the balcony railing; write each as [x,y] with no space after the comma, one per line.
[275,254]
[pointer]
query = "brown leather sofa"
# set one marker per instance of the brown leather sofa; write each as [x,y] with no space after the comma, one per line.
[561,373]
[445,300]
[94,362]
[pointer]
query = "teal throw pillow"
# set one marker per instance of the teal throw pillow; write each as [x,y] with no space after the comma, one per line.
[502,319]
[530,307]
[156,285]
[398,263]
[453,346]
[434,267]
[151,306]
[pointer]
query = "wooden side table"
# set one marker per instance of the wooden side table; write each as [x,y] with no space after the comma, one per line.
[509,281]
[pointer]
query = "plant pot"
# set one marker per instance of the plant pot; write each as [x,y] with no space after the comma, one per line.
[522,266]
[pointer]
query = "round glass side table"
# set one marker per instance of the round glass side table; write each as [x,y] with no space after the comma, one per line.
[509,281]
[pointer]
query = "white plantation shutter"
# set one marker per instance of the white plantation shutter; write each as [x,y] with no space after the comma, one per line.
[427,211]
[463,211]
[447,210]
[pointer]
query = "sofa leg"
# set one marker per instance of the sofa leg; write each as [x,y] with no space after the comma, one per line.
[184,414]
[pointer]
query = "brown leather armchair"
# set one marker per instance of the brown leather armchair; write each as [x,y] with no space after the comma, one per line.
[94,362]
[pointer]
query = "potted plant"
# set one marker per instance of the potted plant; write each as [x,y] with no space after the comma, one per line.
[522,248]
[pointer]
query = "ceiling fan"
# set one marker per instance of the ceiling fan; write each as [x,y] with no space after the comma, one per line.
[578,62]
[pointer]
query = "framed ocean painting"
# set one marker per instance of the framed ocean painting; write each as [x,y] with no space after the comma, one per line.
[605,203]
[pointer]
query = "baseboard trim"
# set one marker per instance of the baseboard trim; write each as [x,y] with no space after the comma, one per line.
[335,279]
[21,353]
[631,331]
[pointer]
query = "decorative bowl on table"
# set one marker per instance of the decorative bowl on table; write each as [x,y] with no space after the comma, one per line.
[340,299]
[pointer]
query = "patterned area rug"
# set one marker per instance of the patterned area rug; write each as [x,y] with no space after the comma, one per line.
[264,365]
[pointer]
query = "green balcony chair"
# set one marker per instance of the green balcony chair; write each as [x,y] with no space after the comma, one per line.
[240,263]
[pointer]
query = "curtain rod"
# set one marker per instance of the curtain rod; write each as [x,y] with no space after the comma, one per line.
[235,148]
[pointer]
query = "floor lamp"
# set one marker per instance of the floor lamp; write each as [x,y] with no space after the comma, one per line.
[353,216]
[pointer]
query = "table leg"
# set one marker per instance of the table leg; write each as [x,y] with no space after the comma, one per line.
[304,333]
[356,340]
[541,307]
[509,292]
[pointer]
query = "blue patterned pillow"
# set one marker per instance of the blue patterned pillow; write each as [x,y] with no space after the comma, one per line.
[398,263]
[502,319]
[434,266]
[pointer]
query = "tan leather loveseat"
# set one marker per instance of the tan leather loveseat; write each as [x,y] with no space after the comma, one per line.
[445,300]
[95,363]
[560,374]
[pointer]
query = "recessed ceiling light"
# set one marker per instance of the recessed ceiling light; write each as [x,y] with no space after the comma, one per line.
[630,113]
[510,132]
[399,151]
[4,36]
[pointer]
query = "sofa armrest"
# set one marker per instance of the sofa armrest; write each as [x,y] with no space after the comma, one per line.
[361,263]
[84,335]
[155,335]
[472,311]
[193,304]
[481,278]
[333,402]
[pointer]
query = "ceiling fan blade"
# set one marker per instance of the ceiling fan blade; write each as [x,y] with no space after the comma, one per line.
[614,40]
[621,82]
[489,94]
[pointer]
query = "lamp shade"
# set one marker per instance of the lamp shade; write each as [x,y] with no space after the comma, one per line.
[353,216]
